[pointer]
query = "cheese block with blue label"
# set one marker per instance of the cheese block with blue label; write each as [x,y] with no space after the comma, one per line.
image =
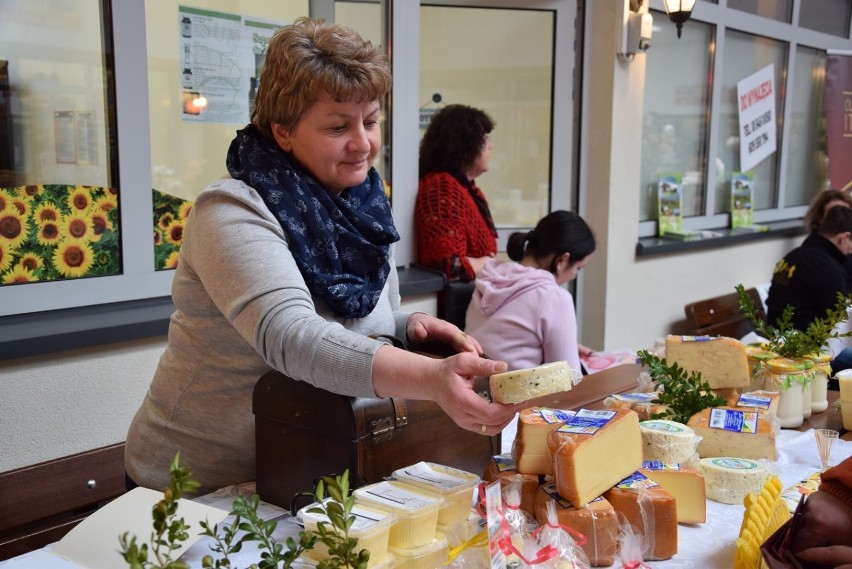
[733,431]
[651,510]
[592,451]
[596,520]
[525,384]
[529,449]
[685,484]
[721,361]
[503,468]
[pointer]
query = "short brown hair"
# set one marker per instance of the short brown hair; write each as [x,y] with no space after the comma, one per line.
[310,58]
[816,211]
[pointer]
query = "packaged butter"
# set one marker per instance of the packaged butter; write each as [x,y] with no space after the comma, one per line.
[372,527]
[416,509]
[433,554]
[454,485]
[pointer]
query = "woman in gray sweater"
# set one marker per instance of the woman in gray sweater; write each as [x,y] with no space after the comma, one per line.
[288,264]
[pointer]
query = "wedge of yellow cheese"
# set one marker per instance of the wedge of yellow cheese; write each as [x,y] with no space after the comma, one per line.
[685,484]
[585,464]
[733,431]
[529,449]
[596,520]
[721,361]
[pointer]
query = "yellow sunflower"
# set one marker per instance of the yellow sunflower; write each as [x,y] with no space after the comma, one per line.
[22,204]
[30,261]
[165,220]
[73,258]
[13,227]
[171,261]
[78,225]
[5,255]
[100,223]
[6,200]
[106,202]
[33,190]
[184,209]
[19,274]
[48,233]
[46,212]
[174,232]
[80,199]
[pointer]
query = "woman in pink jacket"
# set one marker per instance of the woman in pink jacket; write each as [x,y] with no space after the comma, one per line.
[520,312]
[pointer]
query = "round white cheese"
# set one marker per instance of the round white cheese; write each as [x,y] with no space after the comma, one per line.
[667,441]
[523,384]
[728,480]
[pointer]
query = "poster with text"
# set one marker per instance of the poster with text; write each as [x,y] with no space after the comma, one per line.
[670,203]
[742,213]
[220,58]
[756,104]
[838,113]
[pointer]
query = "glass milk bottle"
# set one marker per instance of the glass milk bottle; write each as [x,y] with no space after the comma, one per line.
[758,355]
[819,382]
[788,377]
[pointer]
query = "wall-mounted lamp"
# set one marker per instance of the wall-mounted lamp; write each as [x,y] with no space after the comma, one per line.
[679,11]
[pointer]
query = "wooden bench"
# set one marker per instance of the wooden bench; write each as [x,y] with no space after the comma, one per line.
[43,502]
[721,316]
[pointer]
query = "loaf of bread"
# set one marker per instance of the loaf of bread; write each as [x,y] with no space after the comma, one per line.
[524,384]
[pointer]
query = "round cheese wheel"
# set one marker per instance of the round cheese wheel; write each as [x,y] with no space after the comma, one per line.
[667,441]
[728,480]
[523,384]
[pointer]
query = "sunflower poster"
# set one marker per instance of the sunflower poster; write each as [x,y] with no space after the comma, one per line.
[57,231]
[170,215]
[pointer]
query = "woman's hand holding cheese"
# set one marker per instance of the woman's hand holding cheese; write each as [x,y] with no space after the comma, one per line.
[448,382]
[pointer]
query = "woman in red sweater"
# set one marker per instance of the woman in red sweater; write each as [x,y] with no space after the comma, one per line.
[455,231]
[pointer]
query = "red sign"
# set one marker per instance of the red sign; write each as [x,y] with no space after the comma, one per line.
[838,114]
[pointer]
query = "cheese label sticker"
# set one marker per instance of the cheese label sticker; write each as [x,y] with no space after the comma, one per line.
[735,463]
[640,397]
[636,481]
[747,400]
[660,426]
[587,422]
[697,338]
[505,462]
[425,474]
[659,465]
[736,421]
[553,416]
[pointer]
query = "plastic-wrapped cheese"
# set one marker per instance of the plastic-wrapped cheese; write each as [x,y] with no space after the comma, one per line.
[524,384]
[733,431]
[685,484]
[503,468]
[729,479]
[529,449]
[596,520]
[592,451]
[666,441]
[651,510]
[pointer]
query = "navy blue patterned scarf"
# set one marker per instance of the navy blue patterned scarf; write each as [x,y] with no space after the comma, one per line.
[341,243]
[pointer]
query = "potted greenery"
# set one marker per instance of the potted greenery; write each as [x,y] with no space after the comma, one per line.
[169,530]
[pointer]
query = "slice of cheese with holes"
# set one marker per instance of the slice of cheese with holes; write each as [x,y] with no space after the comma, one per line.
[721,361]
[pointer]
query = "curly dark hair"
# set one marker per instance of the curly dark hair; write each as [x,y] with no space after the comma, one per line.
[454,139]
[816,211]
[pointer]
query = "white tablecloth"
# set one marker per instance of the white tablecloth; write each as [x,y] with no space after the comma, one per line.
[700,546]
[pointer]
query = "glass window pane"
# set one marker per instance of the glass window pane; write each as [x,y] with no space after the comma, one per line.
[806,158]
[828,16]
[466,59]
[781,10]
[674,136]
[58,164]
[746,54]
[203,59]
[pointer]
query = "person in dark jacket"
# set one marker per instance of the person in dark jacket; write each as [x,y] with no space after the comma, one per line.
[809,277]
